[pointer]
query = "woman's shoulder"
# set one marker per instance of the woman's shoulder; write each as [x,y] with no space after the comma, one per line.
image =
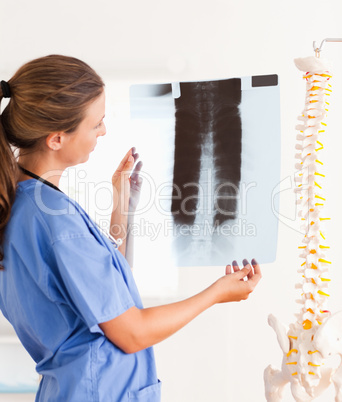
[56,212]
[46,198]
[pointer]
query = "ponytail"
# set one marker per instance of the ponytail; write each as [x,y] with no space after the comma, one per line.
[8,180]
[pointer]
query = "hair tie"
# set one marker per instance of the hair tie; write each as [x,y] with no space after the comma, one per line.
[6,90]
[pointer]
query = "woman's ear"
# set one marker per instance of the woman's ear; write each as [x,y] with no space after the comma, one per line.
[54,141]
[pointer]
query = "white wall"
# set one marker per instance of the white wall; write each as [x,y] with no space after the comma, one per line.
[222,354]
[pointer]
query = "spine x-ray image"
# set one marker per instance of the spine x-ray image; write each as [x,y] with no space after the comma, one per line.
[218,140]
[207,160]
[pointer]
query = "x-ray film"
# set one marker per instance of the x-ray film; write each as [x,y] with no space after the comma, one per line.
[211,152]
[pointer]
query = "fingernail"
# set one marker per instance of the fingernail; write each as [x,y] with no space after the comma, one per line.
[254,261]
[245,262]
[130,158]
[235,264]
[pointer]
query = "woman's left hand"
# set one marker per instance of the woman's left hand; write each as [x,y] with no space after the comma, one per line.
[121,184]
[136,183]
[127,186]
[126,194]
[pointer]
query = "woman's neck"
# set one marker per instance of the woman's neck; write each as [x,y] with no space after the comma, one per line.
[46,168]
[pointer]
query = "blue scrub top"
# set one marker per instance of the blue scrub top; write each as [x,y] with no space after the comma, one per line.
[62,278]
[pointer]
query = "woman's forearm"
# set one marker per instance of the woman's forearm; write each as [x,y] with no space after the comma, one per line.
[118,228]
[163,321]
[137,329]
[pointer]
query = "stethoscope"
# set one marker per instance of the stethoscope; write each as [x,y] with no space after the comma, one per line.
[116,242]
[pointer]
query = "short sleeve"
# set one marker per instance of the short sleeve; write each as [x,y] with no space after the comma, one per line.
[87,277]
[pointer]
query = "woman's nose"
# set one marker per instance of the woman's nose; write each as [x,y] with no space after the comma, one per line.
[103,131]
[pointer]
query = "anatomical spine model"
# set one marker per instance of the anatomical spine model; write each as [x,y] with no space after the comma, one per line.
[302,362]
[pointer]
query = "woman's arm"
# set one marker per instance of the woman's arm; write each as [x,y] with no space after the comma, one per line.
[121,196]
[138,329]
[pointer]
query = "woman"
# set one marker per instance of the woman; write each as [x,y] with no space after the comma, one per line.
[68,293]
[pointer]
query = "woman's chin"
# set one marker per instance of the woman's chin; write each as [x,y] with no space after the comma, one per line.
[83,160]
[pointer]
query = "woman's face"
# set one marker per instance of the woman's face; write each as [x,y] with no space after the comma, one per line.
[83,140]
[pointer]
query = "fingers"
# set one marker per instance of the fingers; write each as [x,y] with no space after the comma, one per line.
[135,154]
[136,171]
[126,166]
[252,277]
[235,266]
[228,269]
[253,274]
[243,272]
[257,272]
[135,179]
[127,160]
[256,267]
[247,264]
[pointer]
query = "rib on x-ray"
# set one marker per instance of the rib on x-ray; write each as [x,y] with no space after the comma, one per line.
[217,145]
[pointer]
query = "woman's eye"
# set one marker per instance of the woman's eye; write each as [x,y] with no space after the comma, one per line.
[99,125]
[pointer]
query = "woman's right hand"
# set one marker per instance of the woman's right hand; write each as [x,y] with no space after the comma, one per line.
[237,285]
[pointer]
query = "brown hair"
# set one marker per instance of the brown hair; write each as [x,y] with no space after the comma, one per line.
[48,94]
